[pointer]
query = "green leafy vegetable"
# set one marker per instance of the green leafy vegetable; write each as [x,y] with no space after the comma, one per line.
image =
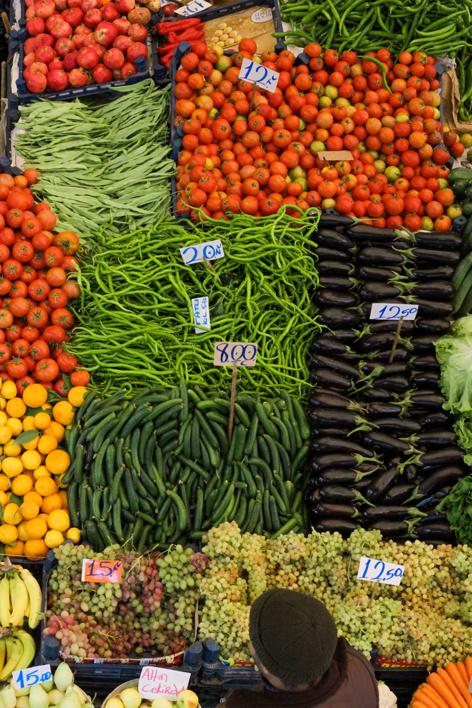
[458,508]
[454,353]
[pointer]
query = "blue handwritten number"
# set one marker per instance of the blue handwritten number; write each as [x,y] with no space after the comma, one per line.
[380,573]
[32,675]
[366,568]
[249,68]
[222,347]
[398,572]
[208,251]
[20,679]
[193,257]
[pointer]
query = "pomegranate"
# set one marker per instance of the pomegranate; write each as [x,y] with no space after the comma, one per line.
[101,74]
[63,46]
[30,13]
[125,6]
[45,54]
[57,80]
[73,15]
[30,59]
[106,33]
[35,26]
[60,28]
[110,12]
[70,61]
[137,33]
[74,3]
[78,78]
[31,44]
[56,64]
[61,5]
[122,25]
[39,66]
[87,58]
[137,50]
[99,49]
[139,15]
[128,70]
[114,58]
[43,40]
[36,82]
[121,42]
[89,5]
[93,18]
[44,8]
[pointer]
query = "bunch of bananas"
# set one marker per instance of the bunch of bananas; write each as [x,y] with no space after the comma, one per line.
[20,597]
[17,650]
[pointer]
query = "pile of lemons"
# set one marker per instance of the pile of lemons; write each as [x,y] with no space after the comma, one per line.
[33,501]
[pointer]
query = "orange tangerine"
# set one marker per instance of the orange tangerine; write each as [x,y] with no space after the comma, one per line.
[21,485]
[12,514]
[63,412]
[12,466]
[8,389]
[36,528]
[15,549]
[42,421]
[35,549]
[58,520]
[76,395]
[29,510]
[31,459]
[15,408]
[57,461]
[56,430]
[41,472]
[45,486]
[51,503]
[34,395]
[33,497]
[53,539]
[15,425]
[8,533]
[47,443]
[4,483]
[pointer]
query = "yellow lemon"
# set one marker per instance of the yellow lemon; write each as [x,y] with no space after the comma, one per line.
[4,483]
[53,539]
[76,395]
[3,418]
[59,520]
[33,497]
[31,459]
[12,514]
[46,444]
[8,389]
[16,408]
[15,425]
[8,533]
[22,535]
[56,430]
[63,412]
[12,449]
[4,498]
[28,423]
[73,534]
[35,395]
[41,472]
[3,403]
[21,485]
[12,466]
[29,510]
[36,528]
[51,503]
[57,461]
[42,421]
[5,434]
[45,486]
[32,444]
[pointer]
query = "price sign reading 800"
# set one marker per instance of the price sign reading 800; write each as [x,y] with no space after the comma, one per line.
[210,251]
[239,353]
[25,678]
[392,311]
[260,75]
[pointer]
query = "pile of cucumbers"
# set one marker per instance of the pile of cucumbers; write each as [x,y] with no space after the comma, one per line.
[162,468]
[460,181]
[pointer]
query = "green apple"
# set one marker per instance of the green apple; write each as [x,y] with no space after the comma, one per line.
[380,165]
[317,146]
[427,224]
[443,183]
[223,63]
[187,699]
[297,172]
[325,102]
[392,173]
[331,91]
[466,140]
[402,118]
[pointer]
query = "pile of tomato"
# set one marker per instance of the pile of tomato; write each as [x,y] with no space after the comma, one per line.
[246,149]
[35,290]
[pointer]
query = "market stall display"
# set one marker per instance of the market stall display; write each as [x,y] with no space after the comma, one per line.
[59,690]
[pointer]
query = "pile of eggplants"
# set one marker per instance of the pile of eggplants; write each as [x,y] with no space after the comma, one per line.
[383,450]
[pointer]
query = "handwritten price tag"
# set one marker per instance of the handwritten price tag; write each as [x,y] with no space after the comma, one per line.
[210,251]
[201,314]
[239,353]
[260,75]
[377,571]
[335,155]
[386,311]
[25,678]
[101,571]
[192,8]
[154,682]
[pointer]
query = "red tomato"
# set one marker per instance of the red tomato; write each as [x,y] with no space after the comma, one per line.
[46,370]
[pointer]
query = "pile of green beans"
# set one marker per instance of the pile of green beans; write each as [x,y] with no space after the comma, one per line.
[101,162]
[135,317]
[464,76]
[433,26]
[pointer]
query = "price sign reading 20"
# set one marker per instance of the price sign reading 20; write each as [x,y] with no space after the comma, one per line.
[209,251]
[239,353]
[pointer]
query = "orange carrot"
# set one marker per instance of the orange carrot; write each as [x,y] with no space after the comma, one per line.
[420,704]
[434,696]
[442,688]
[468,666]
[458,681]
[463,672]
[452,687]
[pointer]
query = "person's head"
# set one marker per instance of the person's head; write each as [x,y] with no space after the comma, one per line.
[293,638]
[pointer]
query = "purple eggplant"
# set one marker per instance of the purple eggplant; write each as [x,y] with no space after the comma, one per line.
[335,282]
[395,384]
[332,254]
[339,459]
[399,493]
[334,239]
[383,357]
[331,444]
[428,256]
[436,532]
[335,298]
[336,417]
[433,326]
[381,483]
[433,500]
[387,443]
[439,273]
[390,512]
[332,346]
[439,478]
[329,510]
[337,317]
[341,476]
[430,308]
[448,240]
[440,458]
[383,409]
[434,290]
[334,267]
[425,379]
[436,438]
[425,363]
[364,232]
[427,401]
[379,292]
[390,528]
[328,377]
[374,256]
[335,364]
[342,526]
[382,275]
[434,420]
[321,397]
[402,426]
[335,221]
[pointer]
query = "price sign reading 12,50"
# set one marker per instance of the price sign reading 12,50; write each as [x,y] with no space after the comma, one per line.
[239,353]
[101,571]
[392,311]
[25,678]
[377,571]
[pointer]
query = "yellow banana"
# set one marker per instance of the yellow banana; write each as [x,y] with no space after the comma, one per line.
[2,653]
[35,597]
[28,649]
[4,601]
[14,653]
[19,600]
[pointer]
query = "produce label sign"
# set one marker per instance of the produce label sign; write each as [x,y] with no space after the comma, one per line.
[210,251]
[155,682]
[101,571]
[377,571]
[393,311]
[260,75]
[25,678]
[201,314]
[239,353]
[335,155]
[193,7]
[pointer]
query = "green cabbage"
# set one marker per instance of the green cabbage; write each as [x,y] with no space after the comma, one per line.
[454,354]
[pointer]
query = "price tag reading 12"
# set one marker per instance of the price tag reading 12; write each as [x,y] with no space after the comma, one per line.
[393,311]
[260,75]
[378,571]
[192,8]
[239,353]
[210,251]
[101,571]
[25,678]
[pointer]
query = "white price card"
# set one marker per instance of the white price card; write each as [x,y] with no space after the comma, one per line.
[263,14]
[209,251]
[335,155]
[193,7]
[25,678]
[239,353]
[201,314]
[260,75]
[155,682]
[392,311]
[377,571]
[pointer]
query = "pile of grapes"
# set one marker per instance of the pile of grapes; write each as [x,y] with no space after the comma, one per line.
[426,620]
[151,612]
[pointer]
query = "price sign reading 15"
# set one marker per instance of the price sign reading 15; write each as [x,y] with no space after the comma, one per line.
[101,571]
[377,571]
[25,678]
[260,75]
[392,311]
[239,353]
